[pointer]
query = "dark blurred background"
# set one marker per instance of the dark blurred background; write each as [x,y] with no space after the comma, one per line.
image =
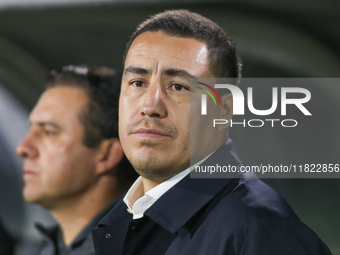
[275,39]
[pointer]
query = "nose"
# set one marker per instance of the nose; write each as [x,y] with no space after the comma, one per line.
[26,148]
[154,103]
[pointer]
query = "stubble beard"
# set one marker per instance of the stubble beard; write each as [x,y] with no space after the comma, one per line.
[152,168]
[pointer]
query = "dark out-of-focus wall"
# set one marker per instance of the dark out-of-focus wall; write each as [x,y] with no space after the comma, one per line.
[275,39]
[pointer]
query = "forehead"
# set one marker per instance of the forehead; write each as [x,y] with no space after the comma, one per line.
[158,50]
[60,102]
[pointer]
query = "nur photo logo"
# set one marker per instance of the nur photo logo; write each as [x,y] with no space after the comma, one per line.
[278,100]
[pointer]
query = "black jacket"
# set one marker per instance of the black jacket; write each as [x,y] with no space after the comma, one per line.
[240,216]
[6,242]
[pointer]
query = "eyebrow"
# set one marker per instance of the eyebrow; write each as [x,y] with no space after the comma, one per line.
[168,72]
[136,70]
[47,123]
[179,73]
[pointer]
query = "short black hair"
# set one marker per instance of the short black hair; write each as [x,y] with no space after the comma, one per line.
[101,86]
[100,115]
[224,60]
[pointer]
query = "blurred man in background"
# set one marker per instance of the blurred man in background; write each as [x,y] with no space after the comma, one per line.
[74,163]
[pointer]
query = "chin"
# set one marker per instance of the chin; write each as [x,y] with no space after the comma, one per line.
[156,175]
[31,198]
[154,170]
[31,195]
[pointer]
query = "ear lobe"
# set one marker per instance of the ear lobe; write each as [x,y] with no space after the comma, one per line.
[110,154]
[227,106]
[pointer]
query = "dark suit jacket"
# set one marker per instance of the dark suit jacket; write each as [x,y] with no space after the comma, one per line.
[7,243]
[210,217]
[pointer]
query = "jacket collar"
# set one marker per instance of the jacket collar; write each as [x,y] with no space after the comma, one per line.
[120,212]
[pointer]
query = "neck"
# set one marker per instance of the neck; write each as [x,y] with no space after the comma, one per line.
[74,214]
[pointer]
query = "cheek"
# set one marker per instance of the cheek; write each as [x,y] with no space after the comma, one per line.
[125,111]
[71,167]
[58,162]
[129,113]
[63,150]
[182,122]
[122,129]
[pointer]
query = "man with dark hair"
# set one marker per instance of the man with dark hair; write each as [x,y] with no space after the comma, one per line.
[165,211]
[223,58]
[74,163]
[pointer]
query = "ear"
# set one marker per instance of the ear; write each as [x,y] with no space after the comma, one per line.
[109,155]
[227,106]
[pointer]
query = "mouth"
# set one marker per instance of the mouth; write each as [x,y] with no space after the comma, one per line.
[28,173]
[150,133]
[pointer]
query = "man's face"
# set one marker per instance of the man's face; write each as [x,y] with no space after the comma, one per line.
[154,110]
[58,167]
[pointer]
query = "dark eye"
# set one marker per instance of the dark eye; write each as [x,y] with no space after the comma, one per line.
[178,87]
[48,133]
[138,83]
